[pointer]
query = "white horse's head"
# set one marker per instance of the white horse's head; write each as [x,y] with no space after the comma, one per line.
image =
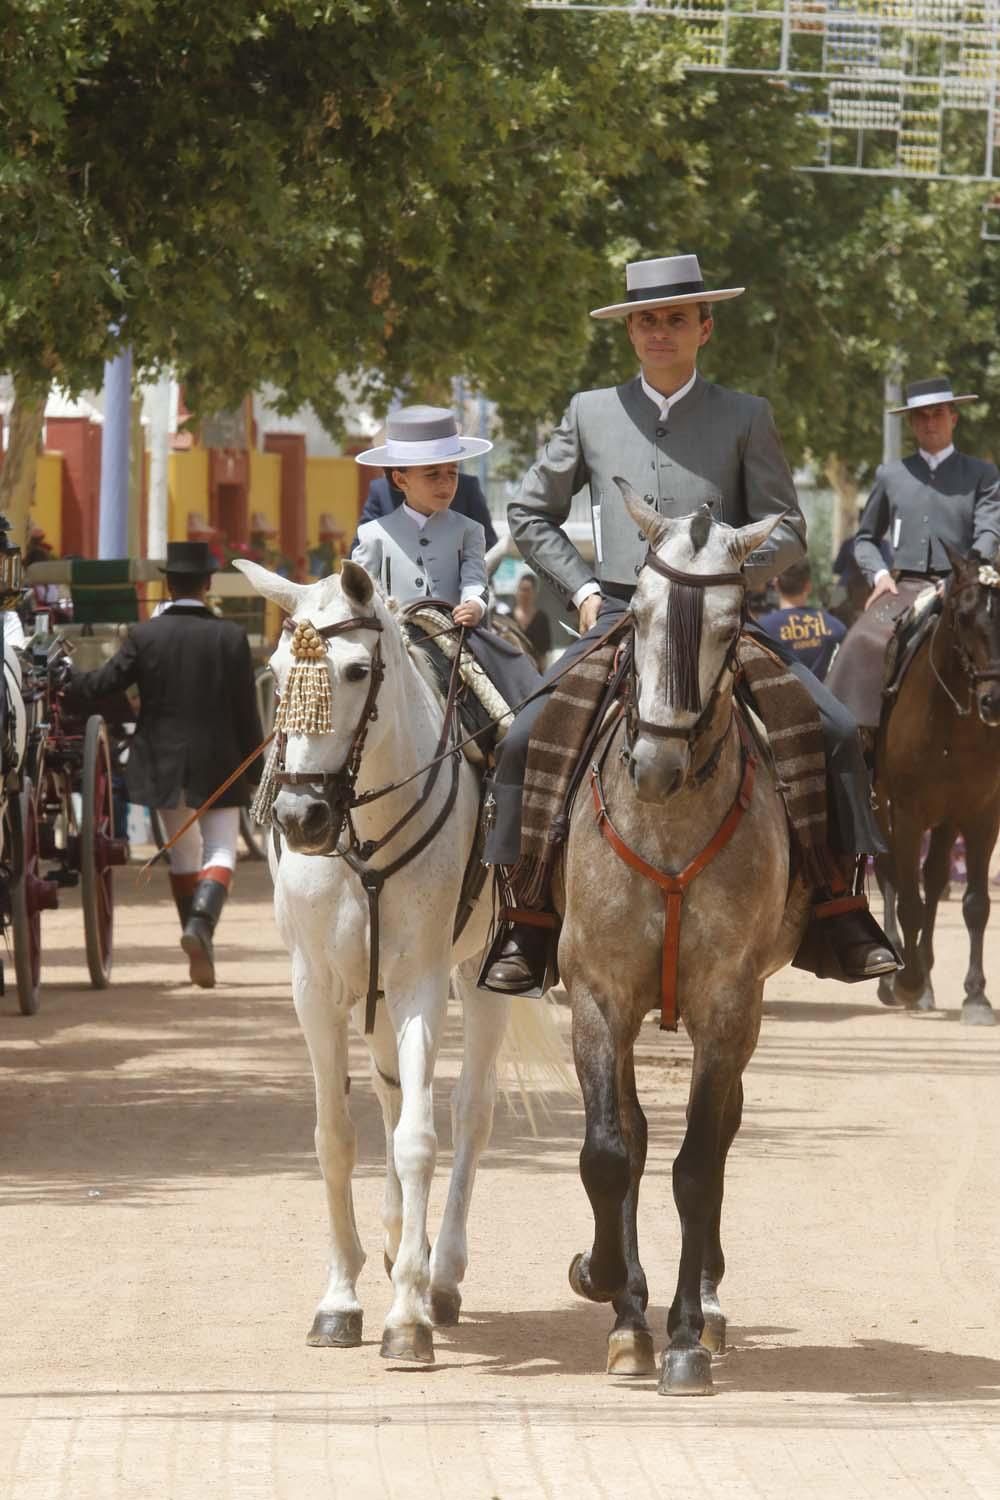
[310,814]
[685,636]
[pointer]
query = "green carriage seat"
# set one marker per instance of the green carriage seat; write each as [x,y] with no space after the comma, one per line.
[102,592]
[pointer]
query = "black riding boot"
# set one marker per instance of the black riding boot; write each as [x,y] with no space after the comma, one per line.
[521,958]
[183,894]
[206,908]
[843,940]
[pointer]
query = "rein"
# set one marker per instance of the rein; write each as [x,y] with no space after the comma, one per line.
[974,675]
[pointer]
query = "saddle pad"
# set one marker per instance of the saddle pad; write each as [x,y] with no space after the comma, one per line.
[909,634]
[422,621]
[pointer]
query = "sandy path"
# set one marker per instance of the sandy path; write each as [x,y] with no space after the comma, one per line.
[163,1232]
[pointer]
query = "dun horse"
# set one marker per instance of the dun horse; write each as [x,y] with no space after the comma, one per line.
[937,766]
[384,726]
[668,785]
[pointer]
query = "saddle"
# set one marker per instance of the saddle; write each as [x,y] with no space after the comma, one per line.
[909,633]
[480,703]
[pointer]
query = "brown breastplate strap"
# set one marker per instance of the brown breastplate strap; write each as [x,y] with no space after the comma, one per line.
[674,886]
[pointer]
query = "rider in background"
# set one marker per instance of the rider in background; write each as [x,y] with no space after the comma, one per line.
[811,632]
[197,721]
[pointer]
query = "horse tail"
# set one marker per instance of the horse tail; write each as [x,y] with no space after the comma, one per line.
[533,1058]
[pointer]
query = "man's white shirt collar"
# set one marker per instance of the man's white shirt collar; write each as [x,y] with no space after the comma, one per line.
[416,515]
[933,460]
[666,402]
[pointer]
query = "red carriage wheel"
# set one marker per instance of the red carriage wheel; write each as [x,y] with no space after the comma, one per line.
[100,851]
[30,895]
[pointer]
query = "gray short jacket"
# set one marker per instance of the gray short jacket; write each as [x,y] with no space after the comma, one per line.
[717,445]
[918,511]
[443,560]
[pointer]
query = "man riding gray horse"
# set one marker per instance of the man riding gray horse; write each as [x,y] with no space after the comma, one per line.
[933,499]
[684,443]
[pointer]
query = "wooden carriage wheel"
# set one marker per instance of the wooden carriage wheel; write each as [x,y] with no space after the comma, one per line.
[30,895]
[100,851]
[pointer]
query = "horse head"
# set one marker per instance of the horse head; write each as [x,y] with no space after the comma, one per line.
[688,608]
[973,603]
[326,682]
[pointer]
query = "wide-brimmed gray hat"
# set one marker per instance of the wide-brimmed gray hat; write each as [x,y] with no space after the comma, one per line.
[929,393]
[658,283]
[422,435]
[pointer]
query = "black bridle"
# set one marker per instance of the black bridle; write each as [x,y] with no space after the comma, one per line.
[634,725]
[974,675]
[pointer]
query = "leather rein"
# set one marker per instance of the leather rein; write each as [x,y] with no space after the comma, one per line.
[673,884]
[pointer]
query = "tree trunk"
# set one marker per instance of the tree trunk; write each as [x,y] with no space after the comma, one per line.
[17,477]
[845,488]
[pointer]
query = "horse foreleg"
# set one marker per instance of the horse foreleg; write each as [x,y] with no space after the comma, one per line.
[687,1363]
[937,873]
[417,1014]
[630,1344]
[385,1082]
[713,1335]
[976,1008]
[322,1013]
[484,1018]
[913,984]
[601,1273]
[885,875]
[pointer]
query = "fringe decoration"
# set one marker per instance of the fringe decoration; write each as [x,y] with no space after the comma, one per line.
[267,791]
[685,612]
[306,706]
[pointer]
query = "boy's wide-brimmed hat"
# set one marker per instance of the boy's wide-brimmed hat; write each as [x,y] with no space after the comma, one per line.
[189,557]
[658,283]
[929,393]
[422,435]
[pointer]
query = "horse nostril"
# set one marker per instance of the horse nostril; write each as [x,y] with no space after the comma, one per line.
[315,819]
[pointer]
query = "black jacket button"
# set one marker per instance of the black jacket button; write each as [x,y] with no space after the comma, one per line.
[423,541]
[418,583]
[661,432]
[638,569]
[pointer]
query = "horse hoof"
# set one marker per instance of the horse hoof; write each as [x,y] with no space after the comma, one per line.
[445,1308]
[335,1330]
[713,1335]
[630,1352]
[579,1279]
[686,1372]
[887,994]
[978,1013]
[414,1342]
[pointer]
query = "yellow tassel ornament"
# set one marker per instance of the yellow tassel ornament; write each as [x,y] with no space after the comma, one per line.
[305,706]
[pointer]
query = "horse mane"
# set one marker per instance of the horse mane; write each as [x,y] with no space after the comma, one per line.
[701,529]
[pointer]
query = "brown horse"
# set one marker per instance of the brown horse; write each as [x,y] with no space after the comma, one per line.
[937,767]
[670,781]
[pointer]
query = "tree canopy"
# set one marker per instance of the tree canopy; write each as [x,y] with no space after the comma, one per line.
[290,192]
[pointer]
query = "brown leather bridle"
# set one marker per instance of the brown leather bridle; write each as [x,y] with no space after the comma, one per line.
[634,725]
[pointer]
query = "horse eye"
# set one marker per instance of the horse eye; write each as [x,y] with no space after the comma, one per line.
[355,672]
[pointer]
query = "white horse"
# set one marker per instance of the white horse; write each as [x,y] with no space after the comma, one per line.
[322,913]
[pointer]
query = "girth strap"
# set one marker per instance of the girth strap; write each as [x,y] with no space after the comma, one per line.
[674,886]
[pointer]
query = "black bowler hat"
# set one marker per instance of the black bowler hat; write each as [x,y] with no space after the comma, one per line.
[189,557]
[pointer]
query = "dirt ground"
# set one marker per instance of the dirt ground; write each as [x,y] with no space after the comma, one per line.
[164,1241]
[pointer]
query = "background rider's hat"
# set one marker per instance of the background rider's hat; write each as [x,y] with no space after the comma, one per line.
[189,557]
[422,435]
[659,283]
[929,393]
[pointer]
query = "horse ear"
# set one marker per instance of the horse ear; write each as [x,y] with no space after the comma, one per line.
[356,583]
[747,538]
[281,591]
[961,565]
[653,526]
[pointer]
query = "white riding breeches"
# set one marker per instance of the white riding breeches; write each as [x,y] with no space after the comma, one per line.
[209,843]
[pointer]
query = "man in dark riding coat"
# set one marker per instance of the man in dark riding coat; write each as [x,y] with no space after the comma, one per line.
[933,497]
[684,443]
[198,720]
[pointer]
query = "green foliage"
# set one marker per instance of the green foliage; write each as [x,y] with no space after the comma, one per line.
[396,191]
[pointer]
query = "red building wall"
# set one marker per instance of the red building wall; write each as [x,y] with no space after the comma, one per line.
[79,441]
[291,449]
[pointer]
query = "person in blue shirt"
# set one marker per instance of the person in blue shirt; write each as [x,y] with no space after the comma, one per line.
[812,633]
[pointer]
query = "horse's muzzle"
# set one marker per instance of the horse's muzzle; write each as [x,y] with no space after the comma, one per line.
[658,768]
[307,823]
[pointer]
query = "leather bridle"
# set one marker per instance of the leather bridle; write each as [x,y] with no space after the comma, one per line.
[974,675]
[634,725]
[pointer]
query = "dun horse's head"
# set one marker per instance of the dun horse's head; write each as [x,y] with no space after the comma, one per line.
[686,631]
[973,601]
[324,686]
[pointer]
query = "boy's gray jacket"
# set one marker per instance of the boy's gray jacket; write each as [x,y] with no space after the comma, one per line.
[959,503]
[716,446]
[444,560]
